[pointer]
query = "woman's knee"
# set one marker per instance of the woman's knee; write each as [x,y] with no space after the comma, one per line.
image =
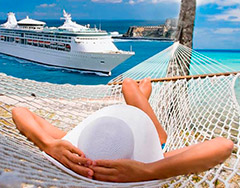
[147,80]
[226,145]
[128,83]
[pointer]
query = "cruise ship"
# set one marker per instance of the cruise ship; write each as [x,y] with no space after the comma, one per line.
[71,45]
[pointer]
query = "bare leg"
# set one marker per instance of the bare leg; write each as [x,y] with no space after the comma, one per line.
[134,96]
[145,87]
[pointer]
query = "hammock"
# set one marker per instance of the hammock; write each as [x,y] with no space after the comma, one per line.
[191,109]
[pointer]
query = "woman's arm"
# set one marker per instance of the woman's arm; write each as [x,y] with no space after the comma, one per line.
[48,138]
[193,159]
[39,131]
[197,158]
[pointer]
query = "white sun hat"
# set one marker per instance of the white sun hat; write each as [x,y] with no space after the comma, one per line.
[115,132]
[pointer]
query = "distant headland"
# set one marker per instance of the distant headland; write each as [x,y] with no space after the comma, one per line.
[167,31]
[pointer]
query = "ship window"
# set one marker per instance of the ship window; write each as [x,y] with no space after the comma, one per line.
[102,62]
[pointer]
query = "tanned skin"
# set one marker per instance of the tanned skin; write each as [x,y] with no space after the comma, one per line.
[191,159]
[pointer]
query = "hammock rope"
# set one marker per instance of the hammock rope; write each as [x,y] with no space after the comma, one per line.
[175,78]
[157,66]
[191,110]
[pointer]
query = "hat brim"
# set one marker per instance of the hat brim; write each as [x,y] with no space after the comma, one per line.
[147,146]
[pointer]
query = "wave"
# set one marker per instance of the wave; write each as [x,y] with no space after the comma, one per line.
[50,67]
[3,56]
[63,69]
[122,40]
[96,73]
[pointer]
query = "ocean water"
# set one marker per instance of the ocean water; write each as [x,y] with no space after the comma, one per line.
[143,49]
[26,69]
[230,58]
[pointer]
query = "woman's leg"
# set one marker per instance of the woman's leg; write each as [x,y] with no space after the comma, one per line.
[145,87]
[135,97]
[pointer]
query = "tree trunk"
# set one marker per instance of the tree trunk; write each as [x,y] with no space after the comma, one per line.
[179,66]
[186,22]
[184,35]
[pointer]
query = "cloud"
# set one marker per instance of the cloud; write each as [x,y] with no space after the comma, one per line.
[232,15]
[216,38]
[45,5]
[107,1]
[164,1]
[226,30]
[41,14]
[221,3]
[132,2]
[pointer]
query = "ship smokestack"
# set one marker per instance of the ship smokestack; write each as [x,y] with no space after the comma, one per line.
[11,21]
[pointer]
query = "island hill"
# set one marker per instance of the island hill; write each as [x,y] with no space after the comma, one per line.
[166,31]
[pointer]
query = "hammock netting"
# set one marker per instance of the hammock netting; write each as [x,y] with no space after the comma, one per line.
[190,110]
[173,61]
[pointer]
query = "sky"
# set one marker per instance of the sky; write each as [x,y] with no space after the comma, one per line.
[217,24]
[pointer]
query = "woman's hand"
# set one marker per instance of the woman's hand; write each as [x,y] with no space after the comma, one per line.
[70,156]
[123,170]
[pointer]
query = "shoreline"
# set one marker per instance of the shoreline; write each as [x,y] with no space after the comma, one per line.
[143,38]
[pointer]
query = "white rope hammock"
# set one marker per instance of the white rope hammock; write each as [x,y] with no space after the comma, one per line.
[191,111]
[158,65]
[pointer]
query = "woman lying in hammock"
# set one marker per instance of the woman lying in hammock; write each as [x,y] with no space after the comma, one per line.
[191,159]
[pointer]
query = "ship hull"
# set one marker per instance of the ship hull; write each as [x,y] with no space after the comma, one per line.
[97,62]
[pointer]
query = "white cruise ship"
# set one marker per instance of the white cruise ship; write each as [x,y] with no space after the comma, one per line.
[70,45]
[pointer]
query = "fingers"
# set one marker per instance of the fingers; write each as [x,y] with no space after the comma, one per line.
[78,159]
[104,171]
[84,171]
[105,163]
[77,156]
[108,178]
[73,149]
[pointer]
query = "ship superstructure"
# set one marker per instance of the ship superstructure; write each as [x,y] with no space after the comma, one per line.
[70,45]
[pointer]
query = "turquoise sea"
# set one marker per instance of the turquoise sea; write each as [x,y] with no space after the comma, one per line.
[143,49]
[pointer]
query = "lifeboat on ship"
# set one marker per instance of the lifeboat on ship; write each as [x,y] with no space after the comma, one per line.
[47,43]
[68,47]
[29,41]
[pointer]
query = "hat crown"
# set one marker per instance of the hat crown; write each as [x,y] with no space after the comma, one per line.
[107,138]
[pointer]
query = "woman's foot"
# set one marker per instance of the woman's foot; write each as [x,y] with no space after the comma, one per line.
[145,87]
